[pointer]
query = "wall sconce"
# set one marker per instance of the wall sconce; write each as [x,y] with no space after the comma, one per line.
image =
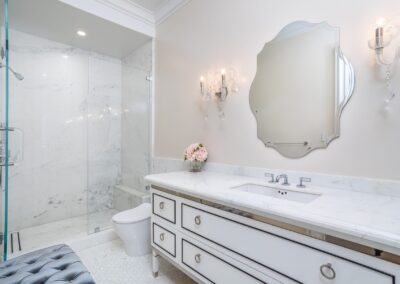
[385,32]
[219,84]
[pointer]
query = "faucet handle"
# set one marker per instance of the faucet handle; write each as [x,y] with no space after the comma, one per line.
[272,176]
[302,180]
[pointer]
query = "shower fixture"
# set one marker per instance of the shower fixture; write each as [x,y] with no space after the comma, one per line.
[16,74]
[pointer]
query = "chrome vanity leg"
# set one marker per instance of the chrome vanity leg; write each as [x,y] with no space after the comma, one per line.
[155,258]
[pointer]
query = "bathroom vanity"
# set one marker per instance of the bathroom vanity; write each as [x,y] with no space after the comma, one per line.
[222,228]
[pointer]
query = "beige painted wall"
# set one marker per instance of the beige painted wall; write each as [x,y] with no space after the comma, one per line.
[210,34]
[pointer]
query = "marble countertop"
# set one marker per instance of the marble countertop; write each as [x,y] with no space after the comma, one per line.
[365,218]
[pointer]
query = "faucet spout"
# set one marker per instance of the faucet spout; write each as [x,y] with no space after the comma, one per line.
[284,177]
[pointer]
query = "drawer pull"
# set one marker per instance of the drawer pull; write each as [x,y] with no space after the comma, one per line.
[162,236]
[327,271]
[197,220]
[197,258]
[161,205]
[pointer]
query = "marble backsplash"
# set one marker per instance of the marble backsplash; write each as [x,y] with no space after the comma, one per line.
[386,187]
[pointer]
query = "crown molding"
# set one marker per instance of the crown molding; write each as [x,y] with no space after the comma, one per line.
[121,12]
[168,9]
[129,14]
[130,8]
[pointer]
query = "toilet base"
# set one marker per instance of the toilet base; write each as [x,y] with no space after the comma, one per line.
[136,237]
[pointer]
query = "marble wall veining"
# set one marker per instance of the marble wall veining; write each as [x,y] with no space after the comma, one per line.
[104,132]
[69,102]
[136,116]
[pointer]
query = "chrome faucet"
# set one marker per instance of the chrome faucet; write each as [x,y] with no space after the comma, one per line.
[272,176]
[285,179]
[302,181]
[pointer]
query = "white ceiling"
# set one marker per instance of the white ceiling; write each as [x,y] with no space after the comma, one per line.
[59,22]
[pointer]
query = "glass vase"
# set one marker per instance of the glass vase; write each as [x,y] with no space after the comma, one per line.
[196,166]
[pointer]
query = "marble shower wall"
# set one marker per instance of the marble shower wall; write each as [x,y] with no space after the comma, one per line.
[69,102]
[104,132]
[136,117]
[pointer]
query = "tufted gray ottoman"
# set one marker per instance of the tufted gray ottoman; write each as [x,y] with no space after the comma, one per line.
[56,264]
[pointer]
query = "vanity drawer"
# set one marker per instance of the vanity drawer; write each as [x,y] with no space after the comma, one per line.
[213,268]
[301,263]
[164,239]
[164,207]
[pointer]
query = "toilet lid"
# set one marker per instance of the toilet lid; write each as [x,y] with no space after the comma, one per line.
[134,215]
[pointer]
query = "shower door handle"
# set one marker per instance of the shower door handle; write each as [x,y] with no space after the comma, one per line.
[15,146]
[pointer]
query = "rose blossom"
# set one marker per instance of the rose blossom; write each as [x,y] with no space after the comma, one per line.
[196,152]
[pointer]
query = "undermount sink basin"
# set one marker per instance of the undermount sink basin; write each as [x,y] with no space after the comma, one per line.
[286,194]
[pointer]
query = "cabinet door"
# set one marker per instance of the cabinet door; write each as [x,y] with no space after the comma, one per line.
[294,260]
[164,239]
[164,207]
[215,269]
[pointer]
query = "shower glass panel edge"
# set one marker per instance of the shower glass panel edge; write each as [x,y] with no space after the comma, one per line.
[4,151]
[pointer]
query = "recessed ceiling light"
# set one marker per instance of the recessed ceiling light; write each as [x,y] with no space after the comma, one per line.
[81,33]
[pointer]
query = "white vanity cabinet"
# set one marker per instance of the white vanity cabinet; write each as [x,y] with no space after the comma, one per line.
[219,244]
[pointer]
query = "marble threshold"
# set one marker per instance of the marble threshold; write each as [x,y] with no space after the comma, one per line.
[72,231]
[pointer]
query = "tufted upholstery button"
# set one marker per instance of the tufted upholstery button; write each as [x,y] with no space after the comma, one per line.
[57,264]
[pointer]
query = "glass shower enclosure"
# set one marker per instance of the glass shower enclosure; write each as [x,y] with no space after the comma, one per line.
[74,123]
[4,135]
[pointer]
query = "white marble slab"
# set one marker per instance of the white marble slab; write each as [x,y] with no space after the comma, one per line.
[136,117]
[104,133]
[367,218]
[361,184]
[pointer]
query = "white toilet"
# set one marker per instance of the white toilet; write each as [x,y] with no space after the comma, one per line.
[133,227]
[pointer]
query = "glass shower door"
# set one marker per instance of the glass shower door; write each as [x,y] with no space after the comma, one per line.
[118,139]
[4,134]
[11,138]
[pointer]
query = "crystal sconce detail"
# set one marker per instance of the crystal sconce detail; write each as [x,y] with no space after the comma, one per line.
[217,85]
[385,32]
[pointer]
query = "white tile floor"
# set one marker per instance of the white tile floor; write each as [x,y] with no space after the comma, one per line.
[63,231]
[109,264]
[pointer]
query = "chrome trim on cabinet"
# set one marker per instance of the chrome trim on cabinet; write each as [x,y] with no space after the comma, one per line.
[278,236]
[374,252]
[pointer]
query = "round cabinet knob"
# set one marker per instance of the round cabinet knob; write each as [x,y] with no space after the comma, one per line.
[197,258]
[161,205]
[327,271]
[162,236]
[197,220]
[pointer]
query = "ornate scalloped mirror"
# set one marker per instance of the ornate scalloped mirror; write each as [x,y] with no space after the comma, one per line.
[302,84]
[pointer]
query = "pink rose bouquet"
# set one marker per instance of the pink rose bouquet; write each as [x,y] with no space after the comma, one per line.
[196,154]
